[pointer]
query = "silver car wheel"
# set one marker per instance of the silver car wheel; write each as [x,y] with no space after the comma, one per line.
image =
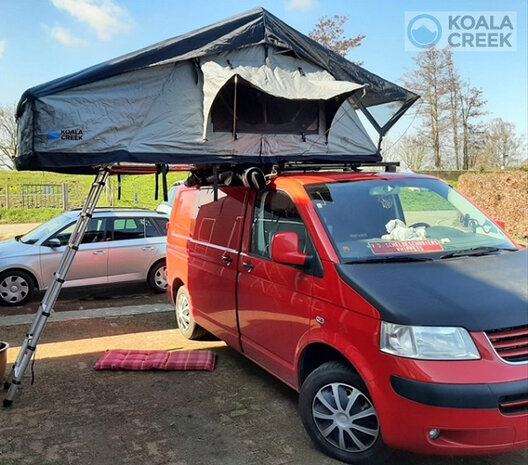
[345,417]
[160,277]
[14,289]
[183,315]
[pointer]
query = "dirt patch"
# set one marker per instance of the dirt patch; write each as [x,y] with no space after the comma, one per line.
[235,415]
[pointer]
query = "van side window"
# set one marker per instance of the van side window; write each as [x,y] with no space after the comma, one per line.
[275,212]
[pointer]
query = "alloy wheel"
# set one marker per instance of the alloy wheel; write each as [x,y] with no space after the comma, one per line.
[183,314]
[345,417]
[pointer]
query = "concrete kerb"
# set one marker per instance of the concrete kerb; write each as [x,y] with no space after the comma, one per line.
[15,320]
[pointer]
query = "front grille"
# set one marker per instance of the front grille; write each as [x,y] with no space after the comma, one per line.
[510,405]
[510,343]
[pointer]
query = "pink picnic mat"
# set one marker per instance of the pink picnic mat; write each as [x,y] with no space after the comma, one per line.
[156,360]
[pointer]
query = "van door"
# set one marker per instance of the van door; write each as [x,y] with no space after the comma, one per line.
[213,251]
[274,300]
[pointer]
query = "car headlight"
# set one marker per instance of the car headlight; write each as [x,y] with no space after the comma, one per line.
[427,342]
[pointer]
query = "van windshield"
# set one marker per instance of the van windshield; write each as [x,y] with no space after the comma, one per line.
[411,219]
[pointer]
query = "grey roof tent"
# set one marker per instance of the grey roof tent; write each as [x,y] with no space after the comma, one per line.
[246,90]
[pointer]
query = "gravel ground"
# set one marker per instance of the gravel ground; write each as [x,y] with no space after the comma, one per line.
[235,415]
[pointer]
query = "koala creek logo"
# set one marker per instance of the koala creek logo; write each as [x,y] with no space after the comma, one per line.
[65,134]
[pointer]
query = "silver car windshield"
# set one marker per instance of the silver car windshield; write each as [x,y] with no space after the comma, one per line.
[45,230]
[369,220]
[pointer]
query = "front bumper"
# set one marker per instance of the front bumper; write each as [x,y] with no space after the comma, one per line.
[509,398]
[472,419]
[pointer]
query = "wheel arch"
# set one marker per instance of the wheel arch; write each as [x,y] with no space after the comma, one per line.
[175,285]
[29,272]
[317,353]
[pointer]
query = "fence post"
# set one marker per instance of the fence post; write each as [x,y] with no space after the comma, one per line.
[7,195]
[65,203]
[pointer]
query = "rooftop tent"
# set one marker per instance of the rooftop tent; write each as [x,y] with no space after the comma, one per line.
[249,89]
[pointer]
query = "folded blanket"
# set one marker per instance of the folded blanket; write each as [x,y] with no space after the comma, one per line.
[156,360]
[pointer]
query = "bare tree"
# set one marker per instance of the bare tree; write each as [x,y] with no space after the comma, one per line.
[454,85]
[502,146]
[8,136]
[330,33]
[412,150]
[429,80]
[472,104]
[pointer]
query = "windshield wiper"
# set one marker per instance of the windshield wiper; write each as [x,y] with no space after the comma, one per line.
[392,258]
[475,252]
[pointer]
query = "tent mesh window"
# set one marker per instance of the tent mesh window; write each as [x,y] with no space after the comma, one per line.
[258,112]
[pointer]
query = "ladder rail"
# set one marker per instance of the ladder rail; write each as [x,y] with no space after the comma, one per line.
[29,345]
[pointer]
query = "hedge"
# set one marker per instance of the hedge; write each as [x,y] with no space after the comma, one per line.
[502,195]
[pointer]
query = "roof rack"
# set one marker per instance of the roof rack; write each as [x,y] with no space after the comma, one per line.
[389,167]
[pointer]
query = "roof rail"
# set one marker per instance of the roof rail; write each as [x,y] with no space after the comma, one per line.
[389,167]
[115,208]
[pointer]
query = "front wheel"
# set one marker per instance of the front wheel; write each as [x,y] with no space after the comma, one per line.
[16,287]
[339,416]
[184,318]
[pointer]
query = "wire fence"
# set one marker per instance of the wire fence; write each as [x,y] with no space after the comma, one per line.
[34,196]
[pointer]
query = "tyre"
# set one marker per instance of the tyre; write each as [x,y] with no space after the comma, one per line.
[16,287]
[339,416]
[157,277]
[186,323]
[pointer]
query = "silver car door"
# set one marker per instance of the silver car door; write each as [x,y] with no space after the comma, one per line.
[131,252]
[90,264]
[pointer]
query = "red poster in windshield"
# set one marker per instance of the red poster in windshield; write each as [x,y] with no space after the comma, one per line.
[406,247]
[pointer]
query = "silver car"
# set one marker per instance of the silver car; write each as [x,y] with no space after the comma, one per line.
[119,245]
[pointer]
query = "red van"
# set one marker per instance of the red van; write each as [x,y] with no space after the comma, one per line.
[395,307]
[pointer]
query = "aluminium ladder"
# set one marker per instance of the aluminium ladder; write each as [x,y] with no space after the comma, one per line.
[29,346]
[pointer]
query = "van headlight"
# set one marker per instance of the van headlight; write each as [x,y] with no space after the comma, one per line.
[427,342]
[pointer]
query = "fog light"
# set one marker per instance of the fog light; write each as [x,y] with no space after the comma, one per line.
[434,434]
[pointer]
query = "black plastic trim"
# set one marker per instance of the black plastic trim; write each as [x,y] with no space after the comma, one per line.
[462,396]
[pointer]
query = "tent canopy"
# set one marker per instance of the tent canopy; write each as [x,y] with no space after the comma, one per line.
[249,89]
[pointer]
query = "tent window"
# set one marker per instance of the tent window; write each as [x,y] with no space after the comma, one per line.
[258,112]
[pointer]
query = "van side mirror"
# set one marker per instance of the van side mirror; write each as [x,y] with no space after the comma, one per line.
[285,249]
[54,242]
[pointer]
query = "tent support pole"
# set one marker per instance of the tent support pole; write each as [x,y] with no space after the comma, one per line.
[29,346]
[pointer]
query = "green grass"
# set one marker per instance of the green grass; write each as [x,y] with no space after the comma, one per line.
[137,191]
[28,215]
[423,201]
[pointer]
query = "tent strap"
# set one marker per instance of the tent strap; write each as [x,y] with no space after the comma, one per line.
[162,169]
[29,345]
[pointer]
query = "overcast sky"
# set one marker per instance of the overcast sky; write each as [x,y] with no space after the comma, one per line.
[41,40]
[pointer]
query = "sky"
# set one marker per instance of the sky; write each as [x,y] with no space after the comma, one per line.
[41,40]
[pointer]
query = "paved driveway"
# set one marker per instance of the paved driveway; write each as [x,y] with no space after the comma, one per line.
[235,415]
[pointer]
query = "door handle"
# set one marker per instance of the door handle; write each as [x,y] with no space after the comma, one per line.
[248,266]
[227,260]
[98,252]
[147,248]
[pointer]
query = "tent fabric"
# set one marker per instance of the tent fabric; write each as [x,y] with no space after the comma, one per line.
[155,106]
